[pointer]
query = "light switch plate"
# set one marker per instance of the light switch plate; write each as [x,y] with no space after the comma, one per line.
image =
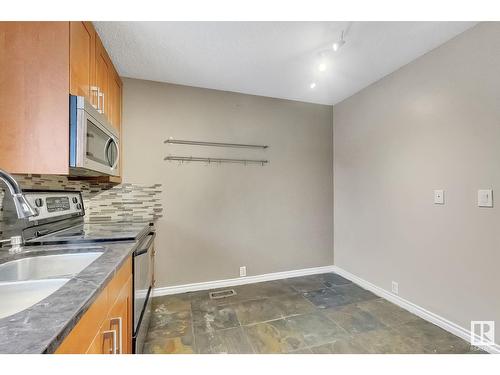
[438,196]
[485,198]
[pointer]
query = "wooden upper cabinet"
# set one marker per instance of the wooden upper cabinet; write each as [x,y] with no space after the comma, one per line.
[34,110]
[82,59]
[41,63]
[103,68]
[115,99]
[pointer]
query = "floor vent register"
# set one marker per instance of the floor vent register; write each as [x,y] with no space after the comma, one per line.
[222,294]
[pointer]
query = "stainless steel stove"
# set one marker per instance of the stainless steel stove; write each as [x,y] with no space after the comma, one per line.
[60,220]
[93,232]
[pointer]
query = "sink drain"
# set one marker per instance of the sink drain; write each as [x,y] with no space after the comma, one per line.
[222,294]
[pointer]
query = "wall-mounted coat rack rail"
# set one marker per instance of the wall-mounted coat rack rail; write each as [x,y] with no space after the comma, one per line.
[216,160]
[214,144]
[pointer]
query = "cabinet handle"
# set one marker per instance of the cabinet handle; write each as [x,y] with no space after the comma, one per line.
[99,108]
[96,90]
[120,330]
[112,332]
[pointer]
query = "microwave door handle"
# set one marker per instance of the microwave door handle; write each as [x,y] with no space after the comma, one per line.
[106,145]
[108,142]
[117,154]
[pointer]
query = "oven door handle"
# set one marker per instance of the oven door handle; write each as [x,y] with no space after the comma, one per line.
[145,249]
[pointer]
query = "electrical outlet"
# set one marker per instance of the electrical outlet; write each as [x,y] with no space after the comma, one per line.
[243,271]
[485,198]
[438,196]
[395,287]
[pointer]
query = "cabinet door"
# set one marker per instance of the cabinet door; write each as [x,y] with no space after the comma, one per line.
[120,319]
[34,111]
[102,67]
[115,99]
[88,330]
[82,59]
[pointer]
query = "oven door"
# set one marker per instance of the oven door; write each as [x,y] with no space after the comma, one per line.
[143,280]
[94,144]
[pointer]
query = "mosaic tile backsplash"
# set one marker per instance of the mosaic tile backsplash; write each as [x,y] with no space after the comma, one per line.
[103,201]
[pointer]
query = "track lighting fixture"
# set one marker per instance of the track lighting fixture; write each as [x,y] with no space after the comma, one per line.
[339,43]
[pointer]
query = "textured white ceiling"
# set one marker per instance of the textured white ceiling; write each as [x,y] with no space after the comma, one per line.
[276,59]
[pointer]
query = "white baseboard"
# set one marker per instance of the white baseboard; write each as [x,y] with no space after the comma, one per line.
[415,309]
[163,291]
[401,302]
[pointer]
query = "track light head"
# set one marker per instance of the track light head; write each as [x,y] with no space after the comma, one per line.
[339,43]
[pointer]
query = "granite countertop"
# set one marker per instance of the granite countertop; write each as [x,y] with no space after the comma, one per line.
[42,327]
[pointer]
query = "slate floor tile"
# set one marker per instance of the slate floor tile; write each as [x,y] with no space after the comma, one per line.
[433,338]
[324,298]
[353,319]
[387,341]
[294,304]
[301,351]
[315,328]
[332,279]
[339,296]
[276,336]
[305,283]
[175,345]
[264,309]
[169,325]
[286,316]
[259,310]
[339,346]
[171,304]
[352,293]
[264,290]
[213,318]
[387,312]
[227,341]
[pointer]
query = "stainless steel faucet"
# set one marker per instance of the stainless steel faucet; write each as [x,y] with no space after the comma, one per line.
[23,207]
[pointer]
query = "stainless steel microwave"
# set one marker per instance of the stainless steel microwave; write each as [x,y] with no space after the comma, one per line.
[94,144]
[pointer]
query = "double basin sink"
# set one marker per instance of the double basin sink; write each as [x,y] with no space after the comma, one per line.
[26,281]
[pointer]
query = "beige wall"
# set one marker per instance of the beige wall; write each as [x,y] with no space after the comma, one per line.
[434,124]
[218,218]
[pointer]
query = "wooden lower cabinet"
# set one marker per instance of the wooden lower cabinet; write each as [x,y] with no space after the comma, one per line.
[106,327]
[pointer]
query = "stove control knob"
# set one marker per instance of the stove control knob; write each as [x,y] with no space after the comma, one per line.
[79,206]
[39,202]
[75,200]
